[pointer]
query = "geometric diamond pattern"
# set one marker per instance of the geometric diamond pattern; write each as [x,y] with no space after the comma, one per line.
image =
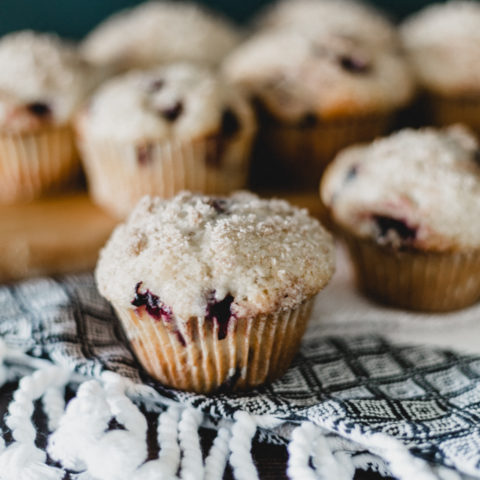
[380,365]
[467,398]
[373,409]
[404,389]
[333,373]
[427,398]
[448,381]
[423,409]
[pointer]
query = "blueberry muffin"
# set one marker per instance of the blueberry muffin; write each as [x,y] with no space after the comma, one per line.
[316,92]
[42,84]
[215,292]
[344,17]
[164,130]
[442,43]
[408,206]
[158,32]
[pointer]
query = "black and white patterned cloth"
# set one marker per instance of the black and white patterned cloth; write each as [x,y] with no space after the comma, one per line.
[428,399]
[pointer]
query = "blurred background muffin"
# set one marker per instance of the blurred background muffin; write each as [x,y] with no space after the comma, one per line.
[443,44]
[172,128]
[158,32]
[42,83]
[408,207]
[316,91]
[355,20]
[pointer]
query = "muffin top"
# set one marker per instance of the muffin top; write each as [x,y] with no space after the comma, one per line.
[443,44]
[416,188]
[42,81]
[296,74]
[178,101]
[160,32]
[194,252]
[344,17]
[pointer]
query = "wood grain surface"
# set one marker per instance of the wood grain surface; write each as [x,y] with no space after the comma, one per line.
[54,235]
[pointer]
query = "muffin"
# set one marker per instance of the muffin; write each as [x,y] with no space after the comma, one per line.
[316,92]
[42,83]
[163,130]
[442,44]
[343,17]
[408,207]
[214,293]
[160,32]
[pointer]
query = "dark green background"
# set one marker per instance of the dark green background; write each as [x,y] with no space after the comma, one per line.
[74,18]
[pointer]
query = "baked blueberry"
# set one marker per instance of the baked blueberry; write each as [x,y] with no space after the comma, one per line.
[220,312]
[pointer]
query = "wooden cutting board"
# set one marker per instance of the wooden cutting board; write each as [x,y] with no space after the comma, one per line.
[64,234]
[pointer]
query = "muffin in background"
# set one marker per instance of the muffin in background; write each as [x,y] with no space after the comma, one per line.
[156,132]
[158,32]
[316,92]
[214,293]
[42,84]
[349,18]
[408,207]
[442,42]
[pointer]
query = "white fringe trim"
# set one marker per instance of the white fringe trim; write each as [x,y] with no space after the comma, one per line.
[80,438]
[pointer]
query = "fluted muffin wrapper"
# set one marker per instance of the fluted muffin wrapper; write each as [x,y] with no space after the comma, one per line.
[304,152]
[119,174]
[191,356]
[416,280]
[32,164]
[450,110]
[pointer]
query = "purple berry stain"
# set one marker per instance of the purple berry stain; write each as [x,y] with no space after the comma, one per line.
[399,227]
[220,312]
[354,64]
[173,112]
[219,205]
[156,85]
[180,338]
[144,153]
[309,120]
[153,305]
[351,174]
[229,384]
[230,124]
[476,157]
[39,109]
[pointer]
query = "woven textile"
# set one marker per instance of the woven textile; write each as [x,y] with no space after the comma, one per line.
[353,384]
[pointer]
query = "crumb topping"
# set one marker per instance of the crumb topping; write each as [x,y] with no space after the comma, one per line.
[41,79]
[201,256]
[179,101]
[416,188]
[160,32]
[442,42]
[344,17]
[317,72]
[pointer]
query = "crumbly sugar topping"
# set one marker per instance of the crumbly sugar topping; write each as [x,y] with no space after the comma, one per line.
[443,42]
[39,74]
[417,188]
[179,101]
[266,254]
[160,32]
[315,71]
[344,17]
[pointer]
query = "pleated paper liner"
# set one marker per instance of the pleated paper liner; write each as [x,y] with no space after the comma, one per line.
[295,156]
[194,356]
[446,111]
[35,163]
[119,174]
[415,280]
